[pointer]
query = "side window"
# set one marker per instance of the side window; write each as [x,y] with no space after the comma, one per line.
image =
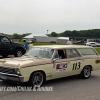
[87,51]
[4,39]
[61,54]
[72,53]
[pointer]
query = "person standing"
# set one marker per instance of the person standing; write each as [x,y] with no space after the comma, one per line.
[30,45]
[26,46]
[69,42]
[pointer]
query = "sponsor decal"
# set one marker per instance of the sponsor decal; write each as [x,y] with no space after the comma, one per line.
[49,75]
[61,67]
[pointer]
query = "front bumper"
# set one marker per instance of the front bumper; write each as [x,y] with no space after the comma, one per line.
[11,77]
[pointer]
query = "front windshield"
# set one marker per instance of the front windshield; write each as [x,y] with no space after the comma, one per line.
[40,52]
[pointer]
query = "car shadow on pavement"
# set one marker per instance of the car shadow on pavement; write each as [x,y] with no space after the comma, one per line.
[47,83]
[10,56]
[62,80]
[51,82]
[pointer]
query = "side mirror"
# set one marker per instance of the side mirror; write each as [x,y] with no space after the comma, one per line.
[55,59]
[10,41]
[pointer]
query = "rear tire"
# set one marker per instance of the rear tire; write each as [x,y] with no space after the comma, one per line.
[18,53]
[86,72]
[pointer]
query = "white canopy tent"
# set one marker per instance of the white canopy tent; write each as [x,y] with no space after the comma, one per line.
[32,35]
[43,38]
[62,40]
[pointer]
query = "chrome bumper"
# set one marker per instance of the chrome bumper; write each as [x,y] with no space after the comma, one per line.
[11,77]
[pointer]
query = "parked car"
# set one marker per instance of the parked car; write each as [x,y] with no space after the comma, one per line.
[95,44]
[29,40]
[43,63]
[80,42]
[8,47]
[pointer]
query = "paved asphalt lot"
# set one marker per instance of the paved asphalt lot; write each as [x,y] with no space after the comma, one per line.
[70,88]
[10,56]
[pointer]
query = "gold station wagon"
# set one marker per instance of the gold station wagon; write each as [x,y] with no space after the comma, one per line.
[42,63]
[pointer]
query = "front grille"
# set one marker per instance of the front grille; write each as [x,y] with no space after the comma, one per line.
[7,70]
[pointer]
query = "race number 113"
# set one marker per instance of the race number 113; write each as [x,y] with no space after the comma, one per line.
[76,66]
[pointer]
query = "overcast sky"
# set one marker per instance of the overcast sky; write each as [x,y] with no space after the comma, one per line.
[38,16]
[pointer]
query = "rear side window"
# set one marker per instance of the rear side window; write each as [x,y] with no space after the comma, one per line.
[72,53]
[87,51]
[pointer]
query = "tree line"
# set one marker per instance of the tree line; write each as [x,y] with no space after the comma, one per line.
[15,35]
[91,33]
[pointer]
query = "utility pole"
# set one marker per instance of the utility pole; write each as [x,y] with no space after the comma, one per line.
[47,31]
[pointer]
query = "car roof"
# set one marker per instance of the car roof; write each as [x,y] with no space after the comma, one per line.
[62,46]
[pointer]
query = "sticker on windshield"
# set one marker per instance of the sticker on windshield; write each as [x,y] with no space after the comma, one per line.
[45,49]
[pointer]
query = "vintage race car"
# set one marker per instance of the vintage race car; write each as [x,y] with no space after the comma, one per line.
[42,63]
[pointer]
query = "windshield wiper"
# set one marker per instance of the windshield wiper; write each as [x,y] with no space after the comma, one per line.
[25,55]
[37,56]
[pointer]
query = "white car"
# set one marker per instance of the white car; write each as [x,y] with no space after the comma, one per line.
[93,44]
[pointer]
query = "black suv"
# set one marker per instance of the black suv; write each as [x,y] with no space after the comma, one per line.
[7,47]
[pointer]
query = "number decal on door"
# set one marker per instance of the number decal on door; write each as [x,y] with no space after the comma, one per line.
[76,66]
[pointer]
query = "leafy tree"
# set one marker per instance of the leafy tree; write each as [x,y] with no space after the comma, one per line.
[16,36]
[91,33]
[49,35]
[54,34]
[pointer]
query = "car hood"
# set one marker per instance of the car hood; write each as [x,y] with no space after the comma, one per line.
[24,61]
[17,43]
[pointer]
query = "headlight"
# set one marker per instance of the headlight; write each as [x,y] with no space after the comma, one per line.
[17,71]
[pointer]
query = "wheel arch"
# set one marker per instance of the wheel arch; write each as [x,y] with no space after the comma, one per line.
[82,75]
[89,66]
[44,74]
[20,48]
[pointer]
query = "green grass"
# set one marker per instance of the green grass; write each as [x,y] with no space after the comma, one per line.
[45,43]
[35,43]
[98,50]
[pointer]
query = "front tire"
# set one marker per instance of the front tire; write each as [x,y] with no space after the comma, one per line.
[36,79]
[18,53]
[86,72]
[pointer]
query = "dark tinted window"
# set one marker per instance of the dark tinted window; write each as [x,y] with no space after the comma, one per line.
[61,54]
[4,39]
